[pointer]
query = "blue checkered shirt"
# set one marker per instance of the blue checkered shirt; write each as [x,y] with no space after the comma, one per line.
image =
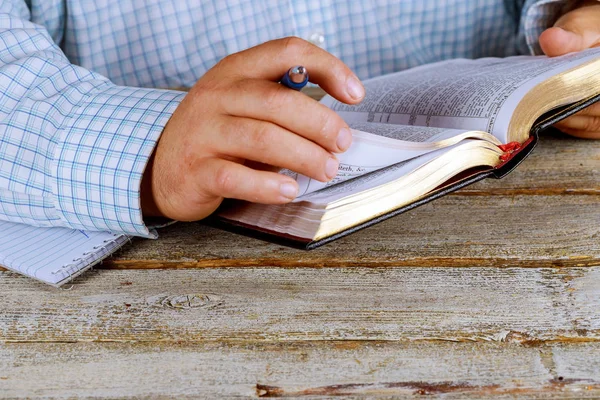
[80,112]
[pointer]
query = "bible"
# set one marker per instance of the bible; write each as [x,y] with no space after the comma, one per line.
[422,133]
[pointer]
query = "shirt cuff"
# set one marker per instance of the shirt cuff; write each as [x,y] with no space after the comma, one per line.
[102,151]
[541,15]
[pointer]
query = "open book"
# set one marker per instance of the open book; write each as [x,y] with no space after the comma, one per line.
[424,132]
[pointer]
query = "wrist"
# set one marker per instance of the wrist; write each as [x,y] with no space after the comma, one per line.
[147,201]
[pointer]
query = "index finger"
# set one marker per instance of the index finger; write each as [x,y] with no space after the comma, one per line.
[272,59]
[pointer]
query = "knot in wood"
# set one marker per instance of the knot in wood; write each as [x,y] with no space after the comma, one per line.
[184,301]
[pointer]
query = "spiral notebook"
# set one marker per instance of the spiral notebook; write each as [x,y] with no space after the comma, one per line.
[54,255]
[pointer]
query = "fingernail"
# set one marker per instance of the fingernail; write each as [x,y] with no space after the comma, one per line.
[344,139]
[288,190]
[331,168]
[355,88]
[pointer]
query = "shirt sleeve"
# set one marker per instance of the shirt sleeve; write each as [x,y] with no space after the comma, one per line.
[73,145]
[536,17]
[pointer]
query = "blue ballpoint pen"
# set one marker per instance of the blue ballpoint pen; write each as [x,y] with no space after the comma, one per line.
[296,78]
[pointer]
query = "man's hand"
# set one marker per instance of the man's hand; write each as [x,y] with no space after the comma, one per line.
[575,31]
[236,124]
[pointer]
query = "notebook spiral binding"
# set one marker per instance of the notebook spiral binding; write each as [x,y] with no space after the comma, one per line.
[86,258]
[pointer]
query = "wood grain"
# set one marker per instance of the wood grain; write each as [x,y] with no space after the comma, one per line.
[265,304]
[544,214]
[526,231]
[560,165]
[490,292]
[298,369]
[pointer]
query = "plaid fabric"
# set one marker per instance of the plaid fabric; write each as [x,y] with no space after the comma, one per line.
[78,117]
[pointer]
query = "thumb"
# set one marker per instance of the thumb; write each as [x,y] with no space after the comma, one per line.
[575,31]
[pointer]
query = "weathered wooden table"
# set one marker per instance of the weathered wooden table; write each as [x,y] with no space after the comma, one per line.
[490,291]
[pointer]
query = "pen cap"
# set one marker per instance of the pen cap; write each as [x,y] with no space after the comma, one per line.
[296,78]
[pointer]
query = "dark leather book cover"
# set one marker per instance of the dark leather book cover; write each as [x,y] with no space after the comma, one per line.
[466,178]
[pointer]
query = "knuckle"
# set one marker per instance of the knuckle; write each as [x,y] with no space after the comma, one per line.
[224,180]
[231,66]
[215,77]
[329,127]
[313,160]
[294,45]
[263,137]
[189,157]
[228,60]
[237,133]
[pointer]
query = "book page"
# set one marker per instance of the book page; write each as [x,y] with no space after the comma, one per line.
[405,133]
[377,146]
[367,183]
[459,94]
[370,181]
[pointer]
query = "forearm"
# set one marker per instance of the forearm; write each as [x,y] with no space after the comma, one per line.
[73,146]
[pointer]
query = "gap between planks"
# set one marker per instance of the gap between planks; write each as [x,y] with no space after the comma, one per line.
[114,263]
[425,262]
[527,192]
[535,231]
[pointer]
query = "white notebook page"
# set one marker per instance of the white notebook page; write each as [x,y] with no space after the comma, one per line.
[53,255]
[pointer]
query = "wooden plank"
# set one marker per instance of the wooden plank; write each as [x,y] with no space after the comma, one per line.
[297,369]
[401,304]
[560,165]
[545,213]
[494,223]
[551,200]
[455,231]
[527,231]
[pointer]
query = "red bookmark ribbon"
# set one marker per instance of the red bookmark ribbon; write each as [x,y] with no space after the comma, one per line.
[509,149]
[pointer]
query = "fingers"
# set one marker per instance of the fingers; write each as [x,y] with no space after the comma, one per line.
[592,110]
[575,31]
[237,122]
[556,41]
[584,126]
[289,109]
[271,144]
[581,134]
[231,180]
[272,59]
